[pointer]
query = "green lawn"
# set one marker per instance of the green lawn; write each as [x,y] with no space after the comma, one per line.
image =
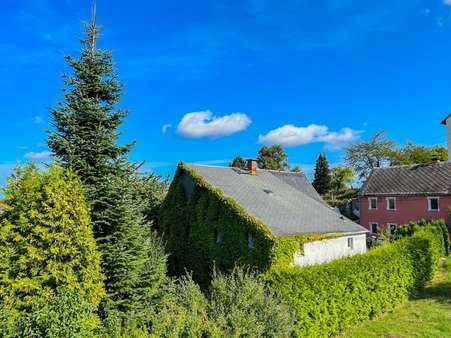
[426,315]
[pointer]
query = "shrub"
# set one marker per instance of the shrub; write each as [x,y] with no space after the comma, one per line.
[46,241]
[330,297]
[65,314]
[242,306]
[439,226]
[181,311]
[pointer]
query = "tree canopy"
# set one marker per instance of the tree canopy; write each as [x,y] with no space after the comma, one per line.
[364,156]
[238,162]
[272,158]
[380,151]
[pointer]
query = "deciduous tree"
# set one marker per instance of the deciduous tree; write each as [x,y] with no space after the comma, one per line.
[272,158]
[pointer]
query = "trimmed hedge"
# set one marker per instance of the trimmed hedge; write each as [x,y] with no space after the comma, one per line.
[331,297]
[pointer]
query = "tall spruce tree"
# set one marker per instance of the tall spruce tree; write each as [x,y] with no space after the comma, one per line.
[85,139]
[322,181]
[86,123]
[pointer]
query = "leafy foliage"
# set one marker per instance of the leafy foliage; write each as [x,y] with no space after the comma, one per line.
[65,314]
[242,306]
[364,156]
[330,297]
[341,179]
[417,154]
[45,238]
[238,162]
[322,181]
[272,158]
[46,246]
[191,223]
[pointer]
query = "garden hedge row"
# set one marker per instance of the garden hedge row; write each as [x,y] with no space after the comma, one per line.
[331,297]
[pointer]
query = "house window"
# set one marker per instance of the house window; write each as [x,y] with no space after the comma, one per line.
[391,203]
[373,227]
[250,240]
[372,203]
[393,227]
[351,243]
[218,237]
[433,204]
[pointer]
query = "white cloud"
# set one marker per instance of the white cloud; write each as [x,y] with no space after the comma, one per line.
[43,155]
[289,135]
[165,127]
[204,124]
[447,2]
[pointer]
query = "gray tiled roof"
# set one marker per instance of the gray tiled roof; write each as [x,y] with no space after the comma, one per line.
[285,202]
[420,179]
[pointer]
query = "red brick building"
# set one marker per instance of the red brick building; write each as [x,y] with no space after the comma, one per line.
[398,195]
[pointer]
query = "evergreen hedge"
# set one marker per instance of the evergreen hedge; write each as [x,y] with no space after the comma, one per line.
[331,297]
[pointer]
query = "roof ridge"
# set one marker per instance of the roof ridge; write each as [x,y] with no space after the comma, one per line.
[228,167]
[413,165]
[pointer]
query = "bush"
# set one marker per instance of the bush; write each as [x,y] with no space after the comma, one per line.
[242,306]
[181,311]
[439,226]
[46,241]
[330,297]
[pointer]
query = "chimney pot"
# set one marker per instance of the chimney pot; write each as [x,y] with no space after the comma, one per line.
[252,166]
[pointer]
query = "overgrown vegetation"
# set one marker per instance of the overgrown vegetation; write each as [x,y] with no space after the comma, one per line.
[426,314]
[331,297]
[79,256]
[48,256]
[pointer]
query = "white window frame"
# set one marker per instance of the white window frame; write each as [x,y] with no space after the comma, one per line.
[392,224]
[369,203]
[388,199]
[438,204]
[371,227]
[250,240]
[351,243]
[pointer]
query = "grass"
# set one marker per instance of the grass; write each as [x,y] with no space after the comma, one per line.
[428,314]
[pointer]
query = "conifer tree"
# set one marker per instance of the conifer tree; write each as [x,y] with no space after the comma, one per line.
[86,123]
[46,241]
[322,181]
[85,139]
[134,258]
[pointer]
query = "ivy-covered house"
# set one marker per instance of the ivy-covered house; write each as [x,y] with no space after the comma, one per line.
[222,216]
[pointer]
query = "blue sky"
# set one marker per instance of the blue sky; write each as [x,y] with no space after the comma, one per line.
[208,80]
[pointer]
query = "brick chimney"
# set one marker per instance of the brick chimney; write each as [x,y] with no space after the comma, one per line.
[252,166]
[447,123]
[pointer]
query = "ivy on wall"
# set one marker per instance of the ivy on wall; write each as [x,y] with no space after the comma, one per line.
[204,228]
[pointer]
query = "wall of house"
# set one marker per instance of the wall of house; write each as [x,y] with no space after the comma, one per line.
[203,229]
[318,252]
[408,209]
